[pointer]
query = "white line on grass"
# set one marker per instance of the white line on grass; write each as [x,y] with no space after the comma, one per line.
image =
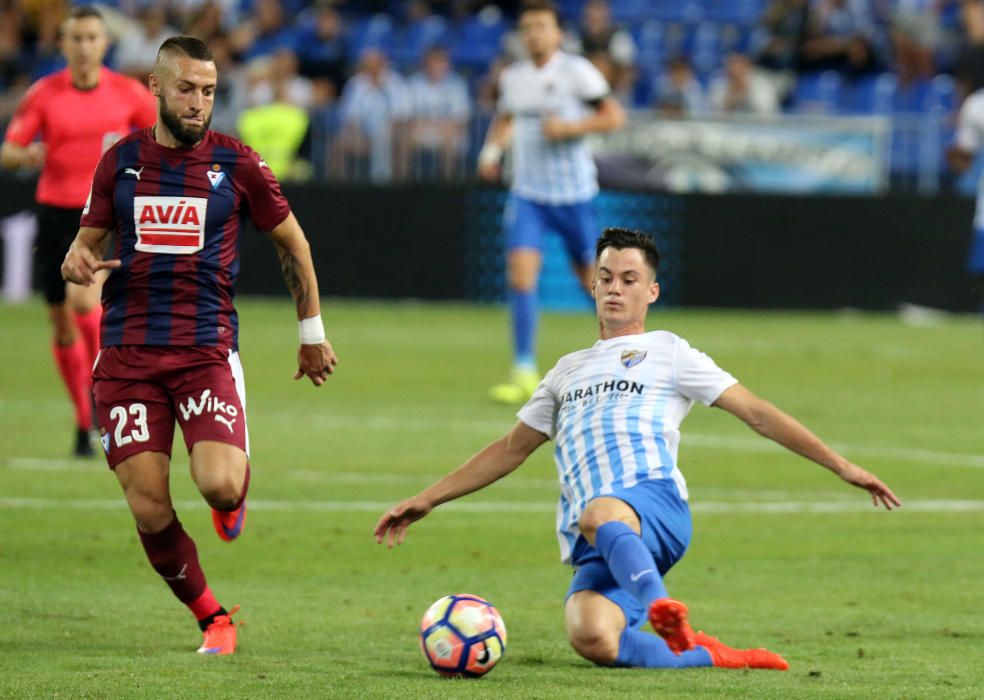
[491,428]
[689,439]
[710,507]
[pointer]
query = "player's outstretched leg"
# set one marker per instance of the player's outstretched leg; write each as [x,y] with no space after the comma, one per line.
[598,630]
[606,522]
[727,657]
[229,523]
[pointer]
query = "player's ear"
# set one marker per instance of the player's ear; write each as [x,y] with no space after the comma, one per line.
[653,292]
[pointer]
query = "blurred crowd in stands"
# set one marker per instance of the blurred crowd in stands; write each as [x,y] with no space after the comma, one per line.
[383,89]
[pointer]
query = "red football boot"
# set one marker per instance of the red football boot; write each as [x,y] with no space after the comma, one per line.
[724,656]
[669,619]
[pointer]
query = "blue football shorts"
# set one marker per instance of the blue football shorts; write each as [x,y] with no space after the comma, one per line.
[525,225]
[666,530]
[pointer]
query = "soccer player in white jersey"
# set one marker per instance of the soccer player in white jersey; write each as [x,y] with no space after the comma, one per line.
[614,410]
[968,142]
[548,104]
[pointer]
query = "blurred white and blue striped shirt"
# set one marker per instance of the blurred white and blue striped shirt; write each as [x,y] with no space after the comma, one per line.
[615,411]
[566,86]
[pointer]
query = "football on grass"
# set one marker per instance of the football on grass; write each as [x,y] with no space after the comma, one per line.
[462,635]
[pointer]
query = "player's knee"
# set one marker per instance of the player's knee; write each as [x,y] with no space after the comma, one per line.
[594,516]
[522,282]
[222,493]
[591,520]
[597,647]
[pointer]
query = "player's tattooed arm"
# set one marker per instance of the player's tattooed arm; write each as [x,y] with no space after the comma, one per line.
[297,266]
[289,265]
[315,360]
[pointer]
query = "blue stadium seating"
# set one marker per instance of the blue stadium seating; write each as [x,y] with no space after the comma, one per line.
[373,32]
[410,42]
[942,96]
[677,10]
[476,40]
[745,12]
[627,11]
[870,94]
[818,93]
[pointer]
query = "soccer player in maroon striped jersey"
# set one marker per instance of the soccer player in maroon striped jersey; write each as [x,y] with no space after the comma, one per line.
[77,112]
[177,196]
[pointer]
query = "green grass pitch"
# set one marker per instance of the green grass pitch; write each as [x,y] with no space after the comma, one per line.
[864,604]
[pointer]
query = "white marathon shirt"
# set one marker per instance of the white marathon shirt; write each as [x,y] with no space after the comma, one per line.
[970,138]
[559,172]
[615,410]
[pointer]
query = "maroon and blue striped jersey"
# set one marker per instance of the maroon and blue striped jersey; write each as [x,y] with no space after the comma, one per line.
[178,216]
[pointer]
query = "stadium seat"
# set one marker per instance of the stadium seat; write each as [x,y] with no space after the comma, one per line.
[911,99]
[570,10]
[410,42]
[870,94]
[476,41]
[626,11]
[743,12]
[678,38]
[369,33]
[648,37]
[705,49]
[817,93]
[676,11]
[942,95]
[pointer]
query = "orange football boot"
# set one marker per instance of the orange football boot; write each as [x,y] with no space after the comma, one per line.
[220,636]
[229,524]
[724,656]
[669,618]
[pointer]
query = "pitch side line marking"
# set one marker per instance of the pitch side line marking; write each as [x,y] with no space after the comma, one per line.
[709,507]
[689,439]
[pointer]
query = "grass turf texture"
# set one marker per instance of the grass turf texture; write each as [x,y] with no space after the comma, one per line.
[863,604]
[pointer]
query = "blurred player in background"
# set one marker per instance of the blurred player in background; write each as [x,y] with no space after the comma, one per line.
[547,105]
[968,142]
[177,196]
[78,113]
[623,519]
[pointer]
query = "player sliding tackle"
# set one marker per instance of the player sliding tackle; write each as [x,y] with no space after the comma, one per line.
[615,410]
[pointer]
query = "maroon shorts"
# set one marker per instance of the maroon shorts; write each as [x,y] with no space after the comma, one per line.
[141,389]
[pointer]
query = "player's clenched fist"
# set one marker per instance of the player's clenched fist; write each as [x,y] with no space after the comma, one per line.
[80,265]
[316,362]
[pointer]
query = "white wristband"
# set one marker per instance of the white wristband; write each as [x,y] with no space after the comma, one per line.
[311,330]
[490,154]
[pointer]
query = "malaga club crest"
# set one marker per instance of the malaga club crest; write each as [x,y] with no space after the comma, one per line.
[630,358]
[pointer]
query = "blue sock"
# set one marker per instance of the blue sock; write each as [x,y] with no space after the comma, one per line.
[638,649]
[522,305]
[630,562]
